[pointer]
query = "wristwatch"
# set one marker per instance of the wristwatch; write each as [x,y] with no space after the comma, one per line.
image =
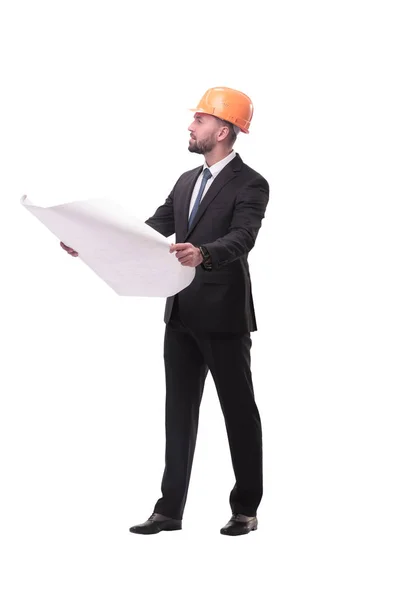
[207,263]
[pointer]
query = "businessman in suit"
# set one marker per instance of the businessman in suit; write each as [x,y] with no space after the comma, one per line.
[216,212]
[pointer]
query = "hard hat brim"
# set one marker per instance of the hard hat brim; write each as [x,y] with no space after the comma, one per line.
[201,110]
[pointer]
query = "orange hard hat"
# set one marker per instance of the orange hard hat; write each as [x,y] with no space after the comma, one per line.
[227,104]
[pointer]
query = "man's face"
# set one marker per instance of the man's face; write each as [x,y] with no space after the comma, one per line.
[203,133]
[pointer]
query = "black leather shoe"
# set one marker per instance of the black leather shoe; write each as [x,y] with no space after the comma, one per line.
[238,526]
[154,526]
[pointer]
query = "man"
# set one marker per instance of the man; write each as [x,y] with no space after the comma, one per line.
[216,212]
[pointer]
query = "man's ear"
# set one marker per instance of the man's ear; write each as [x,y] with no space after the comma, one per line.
[223,133]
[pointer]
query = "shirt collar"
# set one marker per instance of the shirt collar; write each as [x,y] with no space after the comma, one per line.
[217,167]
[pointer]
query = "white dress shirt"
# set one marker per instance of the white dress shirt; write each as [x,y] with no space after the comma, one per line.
[214,170]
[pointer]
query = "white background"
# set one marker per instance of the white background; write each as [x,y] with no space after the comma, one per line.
[94,103]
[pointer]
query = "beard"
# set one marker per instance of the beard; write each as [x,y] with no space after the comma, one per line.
[202,146]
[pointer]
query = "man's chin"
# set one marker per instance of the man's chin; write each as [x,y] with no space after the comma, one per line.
[194,149]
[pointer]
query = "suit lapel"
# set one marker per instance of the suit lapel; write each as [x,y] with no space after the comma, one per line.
[226,175]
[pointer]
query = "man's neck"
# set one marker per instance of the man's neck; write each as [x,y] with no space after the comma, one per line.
[216,155]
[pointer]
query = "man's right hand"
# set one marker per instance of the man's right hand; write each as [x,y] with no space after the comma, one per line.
[70,251]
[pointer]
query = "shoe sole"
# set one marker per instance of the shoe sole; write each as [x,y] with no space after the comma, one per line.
[239,532]
[167,528]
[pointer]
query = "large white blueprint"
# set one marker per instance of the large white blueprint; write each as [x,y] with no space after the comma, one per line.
[131,257]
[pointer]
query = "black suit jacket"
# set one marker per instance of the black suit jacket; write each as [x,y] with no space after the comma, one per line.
[227,224]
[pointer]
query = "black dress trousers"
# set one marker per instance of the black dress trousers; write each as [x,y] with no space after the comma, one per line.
[188,357]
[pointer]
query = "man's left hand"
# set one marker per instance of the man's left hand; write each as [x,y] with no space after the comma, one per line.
[187,254]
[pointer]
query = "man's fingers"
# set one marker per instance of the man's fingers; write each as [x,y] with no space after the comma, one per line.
[70,251]
[184,253]
[181,246]
[188,260]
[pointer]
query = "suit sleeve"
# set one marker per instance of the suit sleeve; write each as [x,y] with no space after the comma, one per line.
[250,207]
[163,219]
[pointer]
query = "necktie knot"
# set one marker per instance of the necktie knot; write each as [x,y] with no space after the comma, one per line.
[206,174]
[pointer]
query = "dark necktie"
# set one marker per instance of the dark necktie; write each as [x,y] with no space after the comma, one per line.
[206,177]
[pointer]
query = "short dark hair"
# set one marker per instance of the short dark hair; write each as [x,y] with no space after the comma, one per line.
[232,133]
